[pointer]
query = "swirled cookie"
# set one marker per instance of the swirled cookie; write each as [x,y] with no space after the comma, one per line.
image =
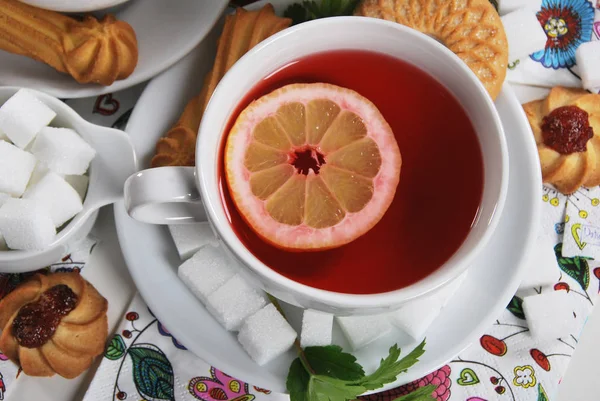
[100,51]
[53,324]
[90,50]
[472,29]
[566,127]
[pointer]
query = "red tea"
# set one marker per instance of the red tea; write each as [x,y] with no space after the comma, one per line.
[441,181]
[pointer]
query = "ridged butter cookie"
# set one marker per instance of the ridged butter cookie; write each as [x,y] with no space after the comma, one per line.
[472,29]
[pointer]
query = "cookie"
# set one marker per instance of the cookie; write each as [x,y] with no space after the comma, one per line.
[90,50]
[566,128]
[242,31]
[54,324]
[472,29]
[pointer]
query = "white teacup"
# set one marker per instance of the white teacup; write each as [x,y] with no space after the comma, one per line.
[171,195]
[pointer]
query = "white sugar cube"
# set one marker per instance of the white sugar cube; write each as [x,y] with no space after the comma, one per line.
[4,198]
[23,116]
[57,196]
[316,328]
[588,61]
[63,151]
[360,331]
[26,225]
[507,6]
[266,335]
[233,302]
[542,267]
[206,271]
[549,315]
[189,238]
[79,183]
[416,316]
[39,171]
[524,33]
[16,166]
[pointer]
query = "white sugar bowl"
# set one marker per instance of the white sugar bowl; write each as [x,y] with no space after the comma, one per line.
[114,161]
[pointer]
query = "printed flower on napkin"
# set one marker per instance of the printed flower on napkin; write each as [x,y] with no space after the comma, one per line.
[568,24]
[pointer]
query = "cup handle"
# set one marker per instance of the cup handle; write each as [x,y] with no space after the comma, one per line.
[164,195]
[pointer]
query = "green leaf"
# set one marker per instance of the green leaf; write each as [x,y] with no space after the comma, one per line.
[335,5]
[515,307]
[420,394]
[495,4]
[326,7]
[297,381]
[390,367]
[310,9]
[115,348]
[542,396]
[314,11]
[348,8]
[323,388]
[331,366]
[297,13]
[576,267]
[333,362]
[152,372]
[329,374]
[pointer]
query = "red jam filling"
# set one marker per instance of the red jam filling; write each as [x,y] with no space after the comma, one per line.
[37,321]
[567,130]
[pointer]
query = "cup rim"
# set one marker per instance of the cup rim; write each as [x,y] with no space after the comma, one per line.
[216,212]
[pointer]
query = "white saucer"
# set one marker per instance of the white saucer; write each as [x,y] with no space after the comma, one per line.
[492,281]
[166,31]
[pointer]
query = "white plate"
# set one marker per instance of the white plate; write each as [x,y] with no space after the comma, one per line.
[74,6]
[492,281]
[166,31]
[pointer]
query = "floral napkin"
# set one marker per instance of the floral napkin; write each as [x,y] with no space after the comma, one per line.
[568,23]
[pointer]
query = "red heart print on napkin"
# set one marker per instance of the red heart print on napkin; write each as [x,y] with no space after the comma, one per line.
[106,105]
